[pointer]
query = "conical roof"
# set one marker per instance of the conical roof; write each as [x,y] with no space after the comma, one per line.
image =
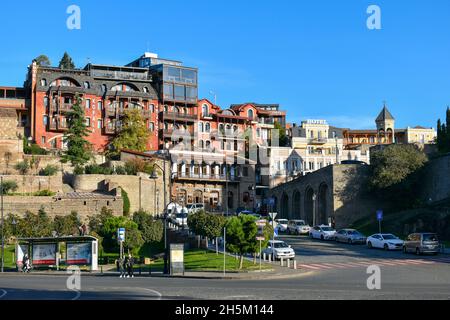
[385,115]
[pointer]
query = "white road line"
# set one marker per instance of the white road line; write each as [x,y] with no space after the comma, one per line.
[354,264]
[335,265]
[3,294]
[321,266]
[308,266]
[411,261]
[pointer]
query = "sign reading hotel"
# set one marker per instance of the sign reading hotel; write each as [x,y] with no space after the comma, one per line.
[79,253]
[44,254]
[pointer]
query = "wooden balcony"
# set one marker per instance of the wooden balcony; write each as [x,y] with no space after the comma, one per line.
[177,116]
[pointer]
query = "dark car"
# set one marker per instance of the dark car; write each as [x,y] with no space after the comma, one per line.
[420,243]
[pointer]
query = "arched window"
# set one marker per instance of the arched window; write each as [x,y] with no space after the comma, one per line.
[151,108]
[208,144]
[221,128]
[250,114]
[43,82]
[200,127]
[104,88]
[207,127]
[146,89]
[151,126]
[86,85]
[201,144]
[205,111]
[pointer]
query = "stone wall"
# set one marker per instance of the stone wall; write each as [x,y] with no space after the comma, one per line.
[334,194]
[436,182]
[84,205]
[30,183]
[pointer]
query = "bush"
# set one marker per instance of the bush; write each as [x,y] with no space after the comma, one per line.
[44,193]
[132,167]
[23,167]
[49,170]
[120,170]
[126,203]
[96,169]
[152,229]
[8,186]
[78,170]
[34,149]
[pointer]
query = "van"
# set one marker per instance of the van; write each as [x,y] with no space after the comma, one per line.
[420,243]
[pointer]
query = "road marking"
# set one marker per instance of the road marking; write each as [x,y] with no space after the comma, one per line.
[4,293]
[308,266]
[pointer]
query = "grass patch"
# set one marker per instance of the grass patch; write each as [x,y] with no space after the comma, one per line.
[9,257]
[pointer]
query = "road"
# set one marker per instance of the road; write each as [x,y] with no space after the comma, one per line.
[336,271]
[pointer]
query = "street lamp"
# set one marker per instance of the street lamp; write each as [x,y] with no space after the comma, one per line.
[14,223]
[337,150]
[314,197]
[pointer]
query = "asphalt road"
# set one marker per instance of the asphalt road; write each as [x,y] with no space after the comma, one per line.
[337,271]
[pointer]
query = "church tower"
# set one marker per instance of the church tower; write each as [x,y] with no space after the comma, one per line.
[385,126]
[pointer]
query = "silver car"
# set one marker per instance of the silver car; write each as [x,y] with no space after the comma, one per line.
[350,236]
[420,243]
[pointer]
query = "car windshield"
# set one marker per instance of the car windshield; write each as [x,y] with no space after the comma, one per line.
[189,206]
[430,237]
[354,232]
[327,229]
[300,223]
[181,216]
[282,221]
[280,245]
[389,237]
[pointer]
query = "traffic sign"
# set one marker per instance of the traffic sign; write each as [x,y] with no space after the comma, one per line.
[273,215]
[121,234]
[261,223]
[380,215]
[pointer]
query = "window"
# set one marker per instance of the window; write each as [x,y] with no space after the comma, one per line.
[207,127]
[146,89]
[205,112]
[250,114]
[258,133]
[53,144]
[151,108]
[179,92]
[151,126]
[46,102]
[45,120]
[104,88]
[168,91]
[88,122]
[99,123]
[99,105]
[200,127]
[88,103]
[245,171]
[87,85]
[43,82]
[43,139]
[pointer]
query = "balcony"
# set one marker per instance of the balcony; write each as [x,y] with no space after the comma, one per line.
[111,112]
[110,129]
[65,107]
[317,141]
[207,177]
[169,133]
[177,116]
[58,126]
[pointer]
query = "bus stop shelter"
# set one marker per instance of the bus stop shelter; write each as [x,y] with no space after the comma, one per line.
[45,252]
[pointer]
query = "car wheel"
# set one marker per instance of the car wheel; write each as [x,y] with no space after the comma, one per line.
[322,238]
[404,250]
[418,252]
[386,247]
[369,244]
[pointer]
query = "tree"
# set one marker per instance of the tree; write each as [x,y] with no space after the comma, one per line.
[133,237]
[394,163]
[23,167]
[78,148]
[152,230]
[66,62]
[443,134]
[96,222]
[8,186]
[67,225]
[241,236]
[132,135]
[43,61]
[49,170]
[283,138]
[126,203]
[35,225]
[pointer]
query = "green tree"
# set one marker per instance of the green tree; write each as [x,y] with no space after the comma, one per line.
[133,237]
[35,225]
[152,229]
[43,61]
[23,167]
[67,225]
[132,135]
[96,222]
[443,134]
[49,170]
[241,236]
[283,138]
[126,203]
[66,62]
[8,186]
[78,148]
[394,163]
[197,221]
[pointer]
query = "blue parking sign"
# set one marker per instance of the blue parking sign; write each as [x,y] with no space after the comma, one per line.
[380,215]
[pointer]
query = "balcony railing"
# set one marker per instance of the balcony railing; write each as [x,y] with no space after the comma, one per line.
[317,141]
[110,129]
[58,126]
[179,116]
[209,177]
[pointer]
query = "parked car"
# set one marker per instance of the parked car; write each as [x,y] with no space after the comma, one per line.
[322,232]
[298,227]
[279,249]
[195,207]
[386,241]
[181,219]
[174,208]
[281,224]
[420,243]
[350,236]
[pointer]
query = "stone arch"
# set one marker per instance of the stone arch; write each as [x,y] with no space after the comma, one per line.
[323,212]
[198,196]
[309,206]
[296,204]
[284,206]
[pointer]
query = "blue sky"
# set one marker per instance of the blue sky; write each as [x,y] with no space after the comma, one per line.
[316,58]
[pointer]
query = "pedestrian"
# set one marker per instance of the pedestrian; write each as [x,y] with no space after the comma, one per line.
[130,265]
[123,264]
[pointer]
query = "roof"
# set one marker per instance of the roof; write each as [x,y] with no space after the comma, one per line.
[59,239]
[8,112]
[85,195]
[385,115]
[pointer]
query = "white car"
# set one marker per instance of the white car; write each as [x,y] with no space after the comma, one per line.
[298,227]
[322,232]
[279,250]
[195,207]
[181,219]
[281,224]
[386,241]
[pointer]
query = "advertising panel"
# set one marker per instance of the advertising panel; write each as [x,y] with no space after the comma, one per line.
[44,254]
[79,253]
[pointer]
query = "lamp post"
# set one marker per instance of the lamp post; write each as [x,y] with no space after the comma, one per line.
[14,223]
[337,150]
[314,197]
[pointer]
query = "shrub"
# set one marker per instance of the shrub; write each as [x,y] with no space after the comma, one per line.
[49,170]
[34,149]
[23,167]
[120,170]
[126,203]
[8,186]
[44,193]
[152,229]
[134,166]
[78,170]
[96,169]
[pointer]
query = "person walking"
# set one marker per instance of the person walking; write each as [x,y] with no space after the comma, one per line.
[130,265]
[123,267]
